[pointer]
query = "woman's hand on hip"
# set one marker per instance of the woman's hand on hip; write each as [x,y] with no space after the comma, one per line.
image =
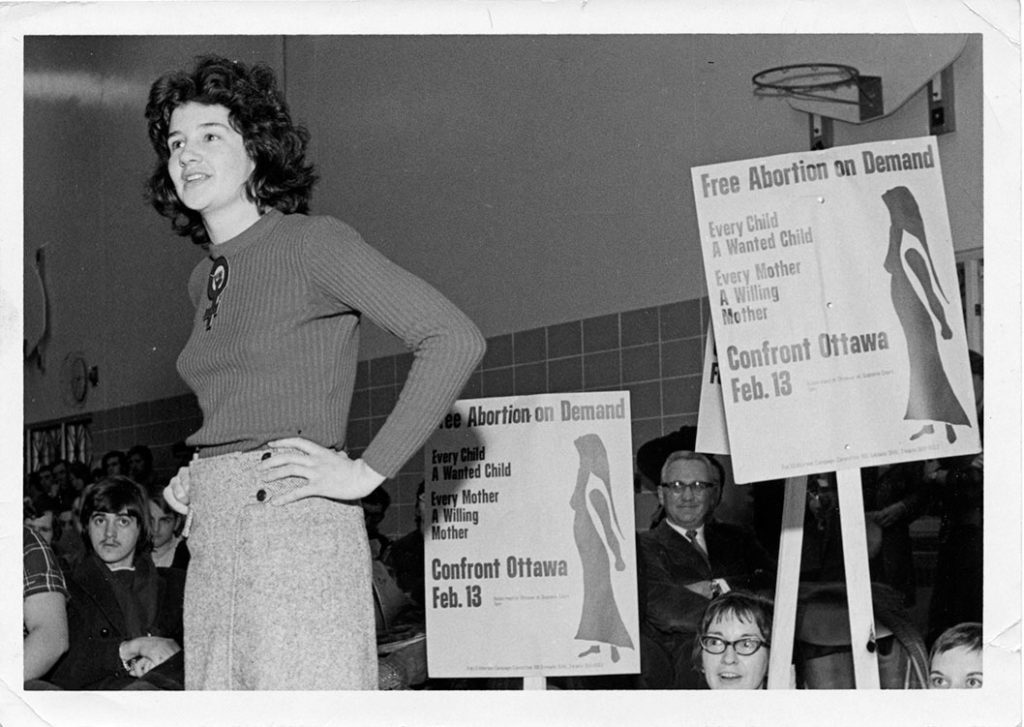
[179,492]
[328,473]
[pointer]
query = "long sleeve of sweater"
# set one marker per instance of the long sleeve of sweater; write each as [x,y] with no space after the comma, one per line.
[447,346]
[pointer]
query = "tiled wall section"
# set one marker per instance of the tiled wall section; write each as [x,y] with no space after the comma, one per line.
[157,424]
[654,353]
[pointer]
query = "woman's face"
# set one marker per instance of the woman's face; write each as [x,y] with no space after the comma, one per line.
[731,670]
[208,163]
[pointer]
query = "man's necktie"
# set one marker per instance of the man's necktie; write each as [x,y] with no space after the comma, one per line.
[716,590]
[691,535]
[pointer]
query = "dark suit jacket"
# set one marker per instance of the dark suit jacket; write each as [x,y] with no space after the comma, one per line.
[405,557]
[669,562]
[96,625]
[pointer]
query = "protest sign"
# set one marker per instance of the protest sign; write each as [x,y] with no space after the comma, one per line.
[836,309]
[712,433]
[530,563]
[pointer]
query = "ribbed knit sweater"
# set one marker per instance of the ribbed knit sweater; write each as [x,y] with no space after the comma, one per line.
[279,358]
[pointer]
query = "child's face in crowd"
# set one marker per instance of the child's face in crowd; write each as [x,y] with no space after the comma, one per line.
[958,668]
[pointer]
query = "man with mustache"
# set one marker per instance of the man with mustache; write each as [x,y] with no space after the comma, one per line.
[124,613]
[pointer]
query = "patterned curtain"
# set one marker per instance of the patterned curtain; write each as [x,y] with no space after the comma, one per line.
[70,440]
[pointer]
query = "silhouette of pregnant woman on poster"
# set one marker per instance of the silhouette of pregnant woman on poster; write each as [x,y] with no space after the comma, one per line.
[931,398]
[599,618]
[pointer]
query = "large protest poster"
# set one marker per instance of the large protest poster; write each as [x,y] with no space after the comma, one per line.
[836,309]
[530,563]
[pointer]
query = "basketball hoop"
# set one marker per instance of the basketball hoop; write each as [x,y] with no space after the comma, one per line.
[807,80]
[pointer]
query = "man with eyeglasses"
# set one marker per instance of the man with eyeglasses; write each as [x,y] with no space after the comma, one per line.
[685,561]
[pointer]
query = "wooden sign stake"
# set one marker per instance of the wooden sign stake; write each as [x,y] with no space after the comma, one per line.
[858,579]
[787,583]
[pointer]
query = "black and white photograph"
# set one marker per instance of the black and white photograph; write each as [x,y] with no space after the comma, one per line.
[534,362]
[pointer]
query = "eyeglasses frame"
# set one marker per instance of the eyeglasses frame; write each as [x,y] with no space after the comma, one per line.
[761,643]
[697,486]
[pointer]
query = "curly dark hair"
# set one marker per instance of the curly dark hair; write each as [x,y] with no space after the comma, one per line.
[282,178]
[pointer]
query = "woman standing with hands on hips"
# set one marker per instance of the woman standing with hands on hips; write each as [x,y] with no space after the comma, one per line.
[279,588]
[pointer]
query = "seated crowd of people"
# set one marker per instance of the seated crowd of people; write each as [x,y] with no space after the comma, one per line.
[105,562]
[106,559]
[104,577]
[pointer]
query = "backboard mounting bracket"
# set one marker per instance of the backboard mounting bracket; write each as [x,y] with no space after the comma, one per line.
[941,117]
[821,132]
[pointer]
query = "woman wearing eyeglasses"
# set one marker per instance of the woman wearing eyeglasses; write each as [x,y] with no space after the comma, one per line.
[734,642]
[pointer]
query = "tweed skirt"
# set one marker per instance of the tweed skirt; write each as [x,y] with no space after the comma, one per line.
[277,598]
